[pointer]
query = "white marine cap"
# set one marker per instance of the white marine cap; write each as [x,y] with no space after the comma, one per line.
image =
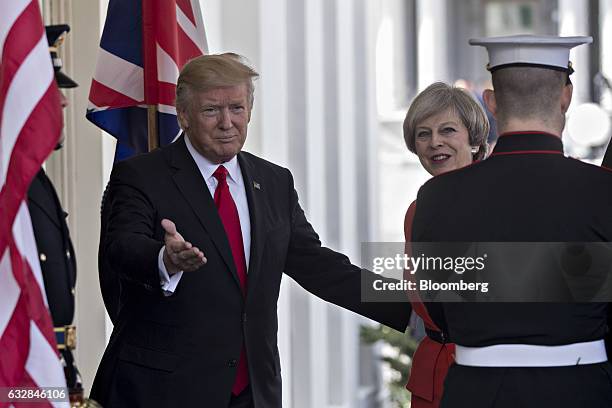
[530,50]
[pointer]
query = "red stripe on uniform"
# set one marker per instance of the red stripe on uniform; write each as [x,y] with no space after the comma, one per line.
[527,152]
[528,132]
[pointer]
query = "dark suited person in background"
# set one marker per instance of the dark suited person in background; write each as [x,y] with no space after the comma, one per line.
[55,251]
[524,354]
[200,234]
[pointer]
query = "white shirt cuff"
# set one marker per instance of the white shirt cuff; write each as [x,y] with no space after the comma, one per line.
[168,283]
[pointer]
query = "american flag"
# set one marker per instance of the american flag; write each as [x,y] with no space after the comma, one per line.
[30,126]
[144,45]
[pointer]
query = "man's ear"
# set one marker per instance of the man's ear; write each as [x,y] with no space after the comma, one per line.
[250,109]
[566,97]
[489,99]
[182,119]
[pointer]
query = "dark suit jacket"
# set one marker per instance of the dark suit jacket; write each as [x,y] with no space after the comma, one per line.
[55,250]
[182,350]
[110,283]
[527,191]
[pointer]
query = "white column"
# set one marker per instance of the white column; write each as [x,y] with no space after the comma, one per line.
[391,62]
[346,122]
[272,137]
[314,63]
[237,28]
[108,157]
[272,105]
[605,13]
[79,172]
[371,146]
[315,114]
[211,15]
[574,20]
[350,358]
[92,175]
[432,37]
[347,169]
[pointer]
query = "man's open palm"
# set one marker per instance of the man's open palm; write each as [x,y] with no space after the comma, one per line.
[180,255]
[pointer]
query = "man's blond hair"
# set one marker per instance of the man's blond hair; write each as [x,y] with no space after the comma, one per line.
[207,72]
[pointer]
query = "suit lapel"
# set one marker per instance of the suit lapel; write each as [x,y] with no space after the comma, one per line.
[254,196]
[193,187]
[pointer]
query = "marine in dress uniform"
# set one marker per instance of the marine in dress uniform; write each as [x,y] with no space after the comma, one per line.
[523,354]
[55,250]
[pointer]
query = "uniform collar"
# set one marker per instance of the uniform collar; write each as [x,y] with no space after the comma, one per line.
[530,142]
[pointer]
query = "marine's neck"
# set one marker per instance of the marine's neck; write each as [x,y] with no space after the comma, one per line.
[528,125]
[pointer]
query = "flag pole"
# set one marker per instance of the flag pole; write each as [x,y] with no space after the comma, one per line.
[152,127]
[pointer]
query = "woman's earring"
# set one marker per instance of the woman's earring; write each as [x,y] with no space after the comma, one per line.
[475,149]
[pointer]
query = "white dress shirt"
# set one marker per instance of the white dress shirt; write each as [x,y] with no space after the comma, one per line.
[238,192]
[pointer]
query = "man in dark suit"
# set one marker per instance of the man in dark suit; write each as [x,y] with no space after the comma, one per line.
[524,354]
[55,251]
[200,234]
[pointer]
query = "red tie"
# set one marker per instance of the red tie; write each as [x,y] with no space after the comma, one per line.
[231,222]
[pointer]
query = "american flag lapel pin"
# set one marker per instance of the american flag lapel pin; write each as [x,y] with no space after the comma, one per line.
[256,185]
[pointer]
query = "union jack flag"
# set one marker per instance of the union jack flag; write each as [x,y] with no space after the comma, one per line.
[30,126]
[144,45]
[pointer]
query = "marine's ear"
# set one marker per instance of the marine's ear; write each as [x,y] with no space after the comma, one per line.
[566,97]
[488,95]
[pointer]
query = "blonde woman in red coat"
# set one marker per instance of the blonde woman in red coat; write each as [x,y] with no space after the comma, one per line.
[447,129]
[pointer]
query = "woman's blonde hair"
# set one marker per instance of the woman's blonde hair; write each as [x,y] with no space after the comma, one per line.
[440,97]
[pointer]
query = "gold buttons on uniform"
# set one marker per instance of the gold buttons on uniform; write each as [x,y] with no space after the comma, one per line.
[72,291]
[71,337]
[68,254]
[43,257]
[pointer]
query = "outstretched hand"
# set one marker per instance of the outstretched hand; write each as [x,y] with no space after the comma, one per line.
[179,255]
